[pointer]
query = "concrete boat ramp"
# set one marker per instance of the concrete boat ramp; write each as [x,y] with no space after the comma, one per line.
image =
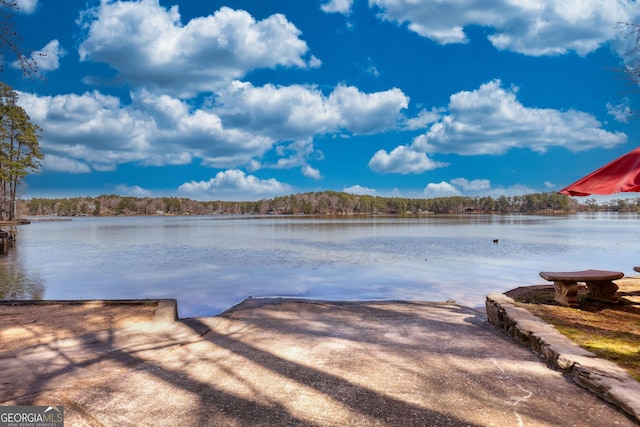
[288,362]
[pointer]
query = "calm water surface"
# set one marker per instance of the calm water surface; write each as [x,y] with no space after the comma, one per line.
[210,263]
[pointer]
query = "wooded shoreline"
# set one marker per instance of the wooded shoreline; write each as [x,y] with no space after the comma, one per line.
[318,203]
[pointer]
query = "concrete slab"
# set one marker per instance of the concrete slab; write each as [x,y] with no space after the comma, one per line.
[604,378]
[301,362]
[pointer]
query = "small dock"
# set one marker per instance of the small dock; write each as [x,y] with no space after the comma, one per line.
[8,235]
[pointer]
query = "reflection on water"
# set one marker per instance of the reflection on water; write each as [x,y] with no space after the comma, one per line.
[211,263]
[16,282]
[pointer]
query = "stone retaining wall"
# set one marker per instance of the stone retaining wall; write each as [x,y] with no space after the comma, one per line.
[601,377]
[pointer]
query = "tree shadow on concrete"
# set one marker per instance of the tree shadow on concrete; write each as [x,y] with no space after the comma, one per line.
[135,371]
[363,402]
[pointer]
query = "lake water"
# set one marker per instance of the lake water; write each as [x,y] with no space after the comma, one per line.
[210,263]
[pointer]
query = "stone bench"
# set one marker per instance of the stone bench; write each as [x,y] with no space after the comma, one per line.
[599,283]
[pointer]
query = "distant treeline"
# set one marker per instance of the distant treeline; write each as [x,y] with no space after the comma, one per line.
[319,203]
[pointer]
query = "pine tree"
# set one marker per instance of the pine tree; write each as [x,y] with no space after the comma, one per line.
[19,149]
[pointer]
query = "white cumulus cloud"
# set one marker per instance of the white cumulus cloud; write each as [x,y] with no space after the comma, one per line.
[338,6]
[442,189]
[47,58]
[423,119]
[473,185]
[536,27]
[491,120]
[97,130]
[231,182]
[91,128]
[27,6]
[237,129]
[367,112]
[297,111]
[358,189]
[132,191]
[457,186]
[311,172]
[620,112]
[53,163]
[403,160]
[150,47]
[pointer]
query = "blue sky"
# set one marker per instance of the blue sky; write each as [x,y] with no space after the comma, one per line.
[247,100]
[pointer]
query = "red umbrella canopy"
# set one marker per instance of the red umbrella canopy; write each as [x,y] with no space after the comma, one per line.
[620,176]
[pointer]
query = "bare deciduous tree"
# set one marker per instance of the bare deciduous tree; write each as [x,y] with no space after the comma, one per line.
[10,39]
[632,56]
